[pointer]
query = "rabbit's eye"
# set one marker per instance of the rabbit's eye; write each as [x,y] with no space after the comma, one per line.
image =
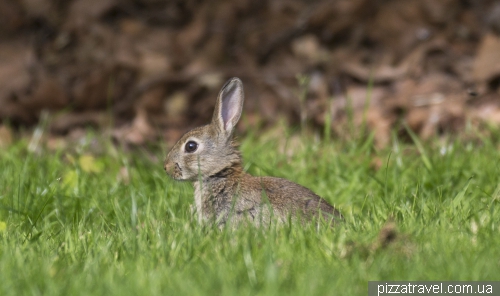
[191,146]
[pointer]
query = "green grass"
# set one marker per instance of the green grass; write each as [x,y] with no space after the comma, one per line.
[74,224]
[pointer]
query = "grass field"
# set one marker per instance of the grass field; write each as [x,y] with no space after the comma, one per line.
[99,221]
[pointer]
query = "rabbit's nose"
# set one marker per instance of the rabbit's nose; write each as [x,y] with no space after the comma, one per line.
[170,168]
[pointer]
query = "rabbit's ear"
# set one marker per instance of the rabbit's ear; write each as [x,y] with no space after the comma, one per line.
[229,106]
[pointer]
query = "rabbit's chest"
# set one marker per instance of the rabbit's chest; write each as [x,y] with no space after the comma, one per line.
[212,199]
[218,199]
[198,200]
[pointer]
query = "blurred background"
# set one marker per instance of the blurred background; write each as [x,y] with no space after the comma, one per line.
[145,70]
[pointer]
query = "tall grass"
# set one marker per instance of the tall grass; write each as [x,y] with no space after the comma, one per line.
[82,221]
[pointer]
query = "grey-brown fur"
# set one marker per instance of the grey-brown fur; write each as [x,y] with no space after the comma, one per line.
[223,191]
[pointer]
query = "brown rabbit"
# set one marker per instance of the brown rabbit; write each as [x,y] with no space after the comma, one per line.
[208,157]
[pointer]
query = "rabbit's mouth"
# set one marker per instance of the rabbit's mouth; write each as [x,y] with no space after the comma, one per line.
[174,170]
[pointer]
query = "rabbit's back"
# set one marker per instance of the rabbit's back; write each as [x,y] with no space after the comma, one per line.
[258,199]
[289,198]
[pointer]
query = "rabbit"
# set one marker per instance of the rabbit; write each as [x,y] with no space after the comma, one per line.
[209,157]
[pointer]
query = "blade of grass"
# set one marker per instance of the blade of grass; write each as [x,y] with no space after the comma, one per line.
[420,147]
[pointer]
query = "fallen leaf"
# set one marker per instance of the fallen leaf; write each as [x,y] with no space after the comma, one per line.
[89,164]
[487,62]
[5,136]
[70,181]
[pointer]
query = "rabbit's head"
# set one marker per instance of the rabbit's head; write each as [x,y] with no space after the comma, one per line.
[207,150]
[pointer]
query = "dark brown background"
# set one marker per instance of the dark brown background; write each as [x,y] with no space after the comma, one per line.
[155,67]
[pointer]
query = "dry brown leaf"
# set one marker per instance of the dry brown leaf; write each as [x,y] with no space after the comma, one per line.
[139,132]
[487,62]
[66,122]
[176,105]
[5,136]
